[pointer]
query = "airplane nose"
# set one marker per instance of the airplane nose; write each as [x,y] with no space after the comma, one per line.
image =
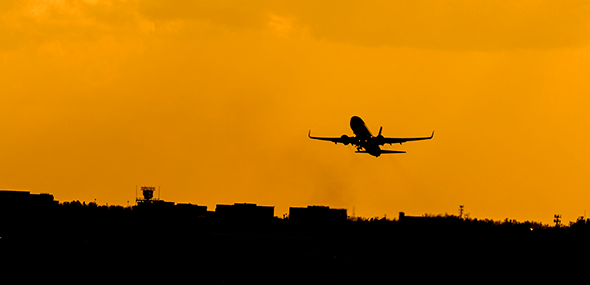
[356,123]
[356,120]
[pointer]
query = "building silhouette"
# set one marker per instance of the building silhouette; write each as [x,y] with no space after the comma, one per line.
[244,211]
[15,199]
[317,214]
[191,210]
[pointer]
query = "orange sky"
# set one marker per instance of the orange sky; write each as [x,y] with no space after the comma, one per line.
[212,101]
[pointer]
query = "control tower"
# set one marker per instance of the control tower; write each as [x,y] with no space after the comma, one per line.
[148,195]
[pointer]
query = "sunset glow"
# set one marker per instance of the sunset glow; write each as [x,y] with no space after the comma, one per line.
[212,101]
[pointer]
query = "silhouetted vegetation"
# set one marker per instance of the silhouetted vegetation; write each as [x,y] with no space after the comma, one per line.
[167,241]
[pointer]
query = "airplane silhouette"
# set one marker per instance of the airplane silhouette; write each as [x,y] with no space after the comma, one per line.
[365,142]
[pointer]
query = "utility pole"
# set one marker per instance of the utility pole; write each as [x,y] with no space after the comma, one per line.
[460,211]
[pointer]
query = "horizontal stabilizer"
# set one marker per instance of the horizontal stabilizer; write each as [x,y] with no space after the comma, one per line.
[392,151]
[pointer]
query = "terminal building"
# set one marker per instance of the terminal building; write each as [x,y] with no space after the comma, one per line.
[16,200]
[244,211]
[25,216]
[317,214]
[192,210]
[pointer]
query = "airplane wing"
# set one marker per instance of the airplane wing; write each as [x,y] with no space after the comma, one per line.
[343,140]
[382,151]
[383,141]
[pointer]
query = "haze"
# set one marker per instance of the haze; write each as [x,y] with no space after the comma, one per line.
[212,101]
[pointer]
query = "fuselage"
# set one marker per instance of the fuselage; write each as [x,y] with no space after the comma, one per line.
[360,130]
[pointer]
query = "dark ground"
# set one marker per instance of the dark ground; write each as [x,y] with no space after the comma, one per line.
[87,244]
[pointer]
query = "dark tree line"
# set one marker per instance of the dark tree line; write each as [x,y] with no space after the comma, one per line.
[166,242]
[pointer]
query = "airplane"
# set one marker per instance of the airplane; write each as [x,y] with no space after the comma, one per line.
[365,142]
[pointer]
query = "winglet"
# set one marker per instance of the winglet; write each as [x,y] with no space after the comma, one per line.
[309,134]
[432,134]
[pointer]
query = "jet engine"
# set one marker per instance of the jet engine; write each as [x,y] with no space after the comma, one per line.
[345,139]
